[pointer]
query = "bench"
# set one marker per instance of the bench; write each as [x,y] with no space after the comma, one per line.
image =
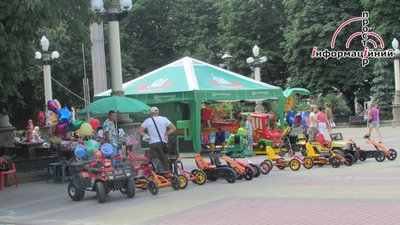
[356,120]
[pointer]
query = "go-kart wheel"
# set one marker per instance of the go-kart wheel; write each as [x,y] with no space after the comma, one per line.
[176,184]
[248,173]
[130,189]
[335,162]
[308,163]
[122,190]
[294,164]
[230,176]
[281,153]
[281,167]
[265,168]
[100,192]
[183,183]
[153,188]
[349,160]
[201,177]
[75,191]
[261,146]
[392,155]
[256,169]
[270,163]
[193,172]
[380,156]
[362,158]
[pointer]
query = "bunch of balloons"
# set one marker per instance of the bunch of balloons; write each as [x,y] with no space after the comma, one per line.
[92,149]
[290,117]
[62,117]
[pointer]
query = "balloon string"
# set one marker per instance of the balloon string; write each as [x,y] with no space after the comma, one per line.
[69,90]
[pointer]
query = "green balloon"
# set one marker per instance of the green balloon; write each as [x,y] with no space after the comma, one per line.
[75,125]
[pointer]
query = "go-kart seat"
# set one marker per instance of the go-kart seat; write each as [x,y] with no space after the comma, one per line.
[214,157]
[159,167]
[202,164]
[271,154]
[310,151]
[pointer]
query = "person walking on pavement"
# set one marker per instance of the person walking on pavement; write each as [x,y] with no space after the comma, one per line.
[329,115]
[323,125]
[373,120]
[249,129]
[313,127]
[158,129]
[110,130]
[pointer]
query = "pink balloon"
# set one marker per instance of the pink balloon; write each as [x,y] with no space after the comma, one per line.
[61,128]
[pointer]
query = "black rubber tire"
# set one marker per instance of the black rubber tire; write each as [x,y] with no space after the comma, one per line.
[130,189]
[183,182]
[261,146]
[75,191]
[153,187]
[248,173]
[308,163]
[392,155]
[101,192]
[265,168]
[335,162]
[201,177]
[380,156]
[270,163]
[281,167]
[349,160]
[230,176]
[176,185]
[256,169]
[194,171]
[362,159]
[294,164]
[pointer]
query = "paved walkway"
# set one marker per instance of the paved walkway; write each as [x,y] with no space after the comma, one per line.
[366,193]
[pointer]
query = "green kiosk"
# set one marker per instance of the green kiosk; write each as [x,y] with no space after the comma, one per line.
[180,87]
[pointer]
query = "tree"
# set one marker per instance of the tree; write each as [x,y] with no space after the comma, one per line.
[312,23]
[21,23]
[244,24]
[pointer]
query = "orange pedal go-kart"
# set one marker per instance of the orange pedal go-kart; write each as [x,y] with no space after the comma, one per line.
[242,171]
[380,153]
[214,172]
[280,162]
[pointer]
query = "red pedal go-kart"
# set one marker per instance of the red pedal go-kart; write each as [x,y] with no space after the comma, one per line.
[101,177]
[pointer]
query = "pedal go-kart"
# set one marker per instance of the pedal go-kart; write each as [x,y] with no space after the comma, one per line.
[257,171]
[242,171]
[280,162]
[101,177]
[292,141]
[142,172]
[196,176]
[333,158]
[379,153]
[214,172]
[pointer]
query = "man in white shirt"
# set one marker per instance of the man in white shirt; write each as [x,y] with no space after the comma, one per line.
[165,128]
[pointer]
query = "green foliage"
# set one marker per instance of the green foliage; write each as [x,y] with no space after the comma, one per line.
[337,102]
[383,86]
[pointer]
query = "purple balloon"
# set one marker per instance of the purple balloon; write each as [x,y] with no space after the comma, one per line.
[61,128]
[52,105]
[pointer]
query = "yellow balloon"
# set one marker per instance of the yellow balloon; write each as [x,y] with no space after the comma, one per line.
[86,129]
[57,103]
[53,117]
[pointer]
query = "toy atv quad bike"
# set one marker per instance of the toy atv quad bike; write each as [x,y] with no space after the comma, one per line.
[101,177]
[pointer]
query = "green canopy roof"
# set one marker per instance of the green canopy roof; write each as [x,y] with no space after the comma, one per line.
[292,91]
[191,79]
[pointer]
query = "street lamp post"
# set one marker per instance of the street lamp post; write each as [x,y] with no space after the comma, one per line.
[113,16]
[45,59]
[227,58]
[256,62]
[396,103]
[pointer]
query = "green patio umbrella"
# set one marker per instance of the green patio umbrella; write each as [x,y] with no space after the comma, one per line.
[119,104]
